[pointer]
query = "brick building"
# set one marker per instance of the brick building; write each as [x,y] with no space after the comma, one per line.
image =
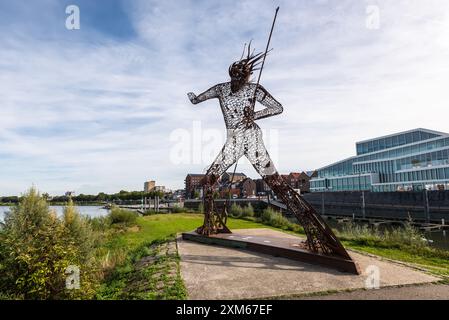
[193,184]
[262,187]
[247,188]
[227,176]
[301,181]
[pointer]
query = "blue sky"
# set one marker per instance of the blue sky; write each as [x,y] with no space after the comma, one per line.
[104,108]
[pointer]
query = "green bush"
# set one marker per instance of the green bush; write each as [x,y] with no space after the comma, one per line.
[100,224]
[36,248]
[248,211]
[177,209]
[277,220]
[79,231]
[236,211]
[122,216]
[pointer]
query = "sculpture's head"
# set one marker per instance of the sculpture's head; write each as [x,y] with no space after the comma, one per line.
[241,71]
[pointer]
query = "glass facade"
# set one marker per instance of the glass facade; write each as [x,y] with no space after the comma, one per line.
[394,141]
[412,160]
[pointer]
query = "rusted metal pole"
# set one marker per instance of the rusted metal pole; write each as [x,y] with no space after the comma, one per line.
[265,56]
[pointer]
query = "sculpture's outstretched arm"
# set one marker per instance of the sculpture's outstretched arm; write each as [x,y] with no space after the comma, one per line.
[208,94]
[272,107]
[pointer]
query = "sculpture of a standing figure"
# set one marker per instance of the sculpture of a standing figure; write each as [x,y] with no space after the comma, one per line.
[244,137]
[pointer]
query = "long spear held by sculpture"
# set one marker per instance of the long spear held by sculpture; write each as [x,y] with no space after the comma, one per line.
[265,56]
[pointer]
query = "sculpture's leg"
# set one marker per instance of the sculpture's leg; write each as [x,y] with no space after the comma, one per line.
[320,238]
[214,221]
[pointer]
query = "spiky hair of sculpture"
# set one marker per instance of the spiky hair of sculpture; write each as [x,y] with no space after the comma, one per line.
[241,70]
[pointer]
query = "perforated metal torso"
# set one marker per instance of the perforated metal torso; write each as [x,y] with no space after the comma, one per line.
[233,104]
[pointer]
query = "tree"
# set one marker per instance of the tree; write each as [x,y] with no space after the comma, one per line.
[102,196]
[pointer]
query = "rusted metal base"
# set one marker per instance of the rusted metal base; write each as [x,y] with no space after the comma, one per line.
[278,247]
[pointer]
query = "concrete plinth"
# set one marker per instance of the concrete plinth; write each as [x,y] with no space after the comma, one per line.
[215,272]
[294,249]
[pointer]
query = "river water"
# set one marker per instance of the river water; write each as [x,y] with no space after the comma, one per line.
[91,211]
[439,239]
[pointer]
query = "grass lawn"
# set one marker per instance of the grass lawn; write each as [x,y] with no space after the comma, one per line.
[436,265]
[159,227]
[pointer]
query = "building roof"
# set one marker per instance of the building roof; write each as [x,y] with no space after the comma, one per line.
[295,174]
[237,174]
[240,183]
[310,173]
[339,162]
[437,133]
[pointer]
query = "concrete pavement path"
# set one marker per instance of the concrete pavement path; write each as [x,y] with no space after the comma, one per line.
[414,292]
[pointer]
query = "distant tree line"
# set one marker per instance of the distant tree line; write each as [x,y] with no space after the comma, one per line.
[101,197]
[13,199]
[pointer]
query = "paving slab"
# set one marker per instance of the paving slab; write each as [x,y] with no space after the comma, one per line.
[213,272]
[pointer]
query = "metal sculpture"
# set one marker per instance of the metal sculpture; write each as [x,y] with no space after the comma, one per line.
[237,100]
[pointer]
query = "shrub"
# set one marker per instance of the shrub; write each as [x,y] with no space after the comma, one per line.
[122,216]
[177,209]
[247,211]
[276,219]
[100,224]
[36,248]
[236,211]
[78,230]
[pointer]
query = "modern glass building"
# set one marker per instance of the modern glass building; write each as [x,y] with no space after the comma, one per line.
[408,161]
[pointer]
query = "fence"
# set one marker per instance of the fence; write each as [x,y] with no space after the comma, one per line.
[425,206]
